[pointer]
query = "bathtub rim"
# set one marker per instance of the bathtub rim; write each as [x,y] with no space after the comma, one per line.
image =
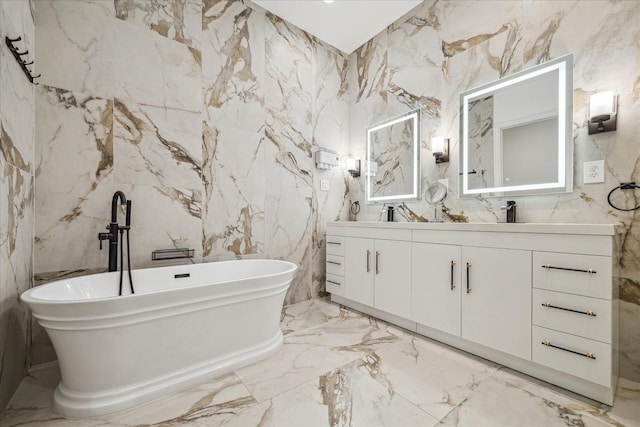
[28,297]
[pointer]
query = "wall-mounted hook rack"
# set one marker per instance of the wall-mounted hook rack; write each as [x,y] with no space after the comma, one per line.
[17,55]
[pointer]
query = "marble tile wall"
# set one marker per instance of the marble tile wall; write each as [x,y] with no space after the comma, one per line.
[441,48]
[16,197]
[206,113]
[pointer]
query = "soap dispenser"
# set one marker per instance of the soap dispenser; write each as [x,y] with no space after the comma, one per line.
[390,210]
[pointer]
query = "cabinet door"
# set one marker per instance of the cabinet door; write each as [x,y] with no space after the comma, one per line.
[435,278]
[392,264]
[496,300]
[359,269]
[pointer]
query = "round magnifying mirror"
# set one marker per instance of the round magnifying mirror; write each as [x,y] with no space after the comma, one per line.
[435,194]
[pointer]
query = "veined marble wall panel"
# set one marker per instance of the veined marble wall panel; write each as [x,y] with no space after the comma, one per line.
[152,70]
[330,131]
[158,140]
[504,38]
[74,45]
[16,198]
[178,20]
[234,188]
[16,103]
[233,130]
[233,65]
[369,69]
[158,146]
[74,203]
[288,151]
[16,272]
[164,218]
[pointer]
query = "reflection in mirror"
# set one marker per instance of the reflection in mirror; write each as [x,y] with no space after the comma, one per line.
[516,133]
[393,160]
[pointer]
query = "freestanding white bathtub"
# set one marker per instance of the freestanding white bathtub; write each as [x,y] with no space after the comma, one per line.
[183,325]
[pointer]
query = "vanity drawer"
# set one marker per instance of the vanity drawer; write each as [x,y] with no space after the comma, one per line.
[335,265]
[573,314]
[587,275]
[572,355]
[335,245]
[335,284]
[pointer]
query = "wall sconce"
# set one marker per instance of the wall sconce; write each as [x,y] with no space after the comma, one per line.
[602,112]
[326,159]
[353,166]
[440,149]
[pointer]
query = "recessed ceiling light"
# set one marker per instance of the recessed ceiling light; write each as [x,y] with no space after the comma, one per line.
[328,1]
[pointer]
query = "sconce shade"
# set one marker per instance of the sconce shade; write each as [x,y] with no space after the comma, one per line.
[440,149]
[602,112]
[437,144]
[353,166]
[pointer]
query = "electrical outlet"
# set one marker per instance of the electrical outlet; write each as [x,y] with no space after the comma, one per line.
[324,185]
[593,172]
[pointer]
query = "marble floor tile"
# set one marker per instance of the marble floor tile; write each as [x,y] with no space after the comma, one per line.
[309,314]
[346,396]
[431,375]
[626,408]
[508,398]
[339,367]
[311,352]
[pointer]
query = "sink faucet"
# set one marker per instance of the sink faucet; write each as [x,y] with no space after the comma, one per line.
[511,211]
[113,228]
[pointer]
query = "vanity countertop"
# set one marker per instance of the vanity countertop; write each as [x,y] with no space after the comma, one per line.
[531,227]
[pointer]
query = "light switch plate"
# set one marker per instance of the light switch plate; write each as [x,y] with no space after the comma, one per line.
[324,185]
[593,172]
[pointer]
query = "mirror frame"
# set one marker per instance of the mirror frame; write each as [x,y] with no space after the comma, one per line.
[414,116]
[564,184]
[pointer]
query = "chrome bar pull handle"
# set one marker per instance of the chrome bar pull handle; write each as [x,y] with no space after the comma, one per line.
[377,262]
[334,262]
[452,285]
[368,262]
[586,313]
[334,243]
[550,267]
[335,283]
[468,285]
[587,355]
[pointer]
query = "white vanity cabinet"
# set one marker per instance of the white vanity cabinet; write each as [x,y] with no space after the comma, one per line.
[335,265]
[377,273]
[436,286]
[573,328]
[539,298]
[496,299]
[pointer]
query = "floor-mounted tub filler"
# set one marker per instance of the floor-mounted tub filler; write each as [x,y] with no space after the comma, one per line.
[184,325]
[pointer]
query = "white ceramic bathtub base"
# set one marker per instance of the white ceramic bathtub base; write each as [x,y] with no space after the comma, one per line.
[78,405]
[184,325]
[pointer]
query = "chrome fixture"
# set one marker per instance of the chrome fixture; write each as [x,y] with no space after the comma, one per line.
[511,211]
[113,238]
[173,253]
[440,149]
[602,112]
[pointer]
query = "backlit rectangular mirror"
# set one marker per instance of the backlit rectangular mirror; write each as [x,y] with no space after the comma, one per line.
[392,169]
[516,133]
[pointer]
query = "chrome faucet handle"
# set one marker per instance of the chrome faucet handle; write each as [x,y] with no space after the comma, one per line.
[509,205]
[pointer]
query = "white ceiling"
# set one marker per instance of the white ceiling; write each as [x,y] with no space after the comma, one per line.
[344,24]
